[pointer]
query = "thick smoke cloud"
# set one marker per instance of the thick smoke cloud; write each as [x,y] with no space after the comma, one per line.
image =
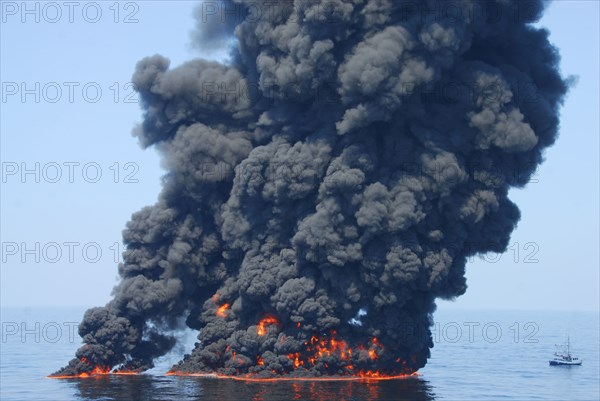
[327,185]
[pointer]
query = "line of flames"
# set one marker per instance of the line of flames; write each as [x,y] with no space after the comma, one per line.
[360,376]
[96,371]
[315,348]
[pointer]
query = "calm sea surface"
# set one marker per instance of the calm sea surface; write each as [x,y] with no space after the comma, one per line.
[478,355]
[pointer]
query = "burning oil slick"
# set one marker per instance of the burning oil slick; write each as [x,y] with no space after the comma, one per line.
[326,185]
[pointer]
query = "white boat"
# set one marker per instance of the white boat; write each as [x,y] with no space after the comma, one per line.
[564,357]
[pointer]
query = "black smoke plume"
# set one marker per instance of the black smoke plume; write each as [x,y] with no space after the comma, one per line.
[327,184]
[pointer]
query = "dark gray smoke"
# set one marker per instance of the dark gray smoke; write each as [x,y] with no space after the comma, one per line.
[327,185]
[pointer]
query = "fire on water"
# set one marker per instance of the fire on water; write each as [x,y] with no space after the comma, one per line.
[361,376]
[97,371]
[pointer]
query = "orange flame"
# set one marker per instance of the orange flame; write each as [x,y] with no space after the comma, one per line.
[360,376]
[372,351]
[316,350]
[125,373]
[320,349]
[96,371]
[370,374]
[261,330]
[222,310]
[296,358]
[372,354]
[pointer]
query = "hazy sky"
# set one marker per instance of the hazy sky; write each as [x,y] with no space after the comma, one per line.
[67,112]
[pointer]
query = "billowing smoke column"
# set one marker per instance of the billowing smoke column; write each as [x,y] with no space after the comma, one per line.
[328,184]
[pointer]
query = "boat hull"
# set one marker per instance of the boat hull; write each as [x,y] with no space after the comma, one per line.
[560,363]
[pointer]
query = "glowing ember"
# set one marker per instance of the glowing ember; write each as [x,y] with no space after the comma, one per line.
[261,330]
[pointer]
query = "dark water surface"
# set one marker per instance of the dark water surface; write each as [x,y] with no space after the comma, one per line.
[478,355]
[180,388]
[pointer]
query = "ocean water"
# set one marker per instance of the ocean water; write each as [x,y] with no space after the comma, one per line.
[478,355]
